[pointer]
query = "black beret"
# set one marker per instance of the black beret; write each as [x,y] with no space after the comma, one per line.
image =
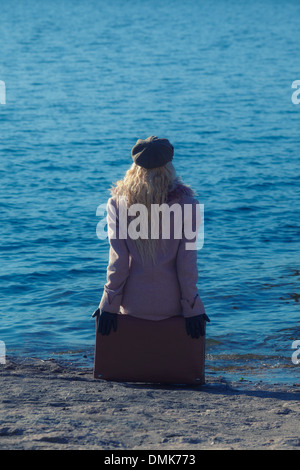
[152,152]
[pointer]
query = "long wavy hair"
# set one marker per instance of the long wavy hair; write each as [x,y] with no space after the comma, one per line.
[147,187]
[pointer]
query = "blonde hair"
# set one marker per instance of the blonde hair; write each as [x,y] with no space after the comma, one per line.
[147,187]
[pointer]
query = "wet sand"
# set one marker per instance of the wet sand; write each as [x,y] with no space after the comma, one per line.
[45,406]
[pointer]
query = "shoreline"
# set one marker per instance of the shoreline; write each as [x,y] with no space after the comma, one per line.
[45,405]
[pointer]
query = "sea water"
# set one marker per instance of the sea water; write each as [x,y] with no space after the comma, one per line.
[83,81]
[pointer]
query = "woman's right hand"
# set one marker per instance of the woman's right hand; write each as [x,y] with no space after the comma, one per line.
[105,321]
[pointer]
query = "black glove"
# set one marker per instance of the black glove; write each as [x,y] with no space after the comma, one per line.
[105,321]
[195,326]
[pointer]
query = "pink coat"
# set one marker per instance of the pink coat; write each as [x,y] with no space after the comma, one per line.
[152,291]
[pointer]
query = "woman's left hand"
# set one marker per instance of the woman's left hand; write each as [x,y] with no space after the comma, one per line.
[195,326]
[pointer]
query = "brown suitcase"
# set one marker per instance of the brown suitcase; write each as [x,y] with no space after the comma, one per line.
[150,351]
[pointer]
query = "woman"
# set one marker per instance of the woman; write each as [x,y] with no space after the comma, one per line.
[151,277]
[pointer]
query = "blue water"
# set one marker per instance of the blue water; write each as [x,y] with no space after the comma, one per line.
[84,80]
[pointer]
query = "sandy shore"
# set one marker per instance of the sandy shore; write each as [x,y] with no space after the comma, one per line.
[44,405]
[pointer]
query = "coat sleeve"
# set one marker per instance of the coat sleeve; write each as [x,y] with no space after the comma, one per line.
[186,262]
[118,264]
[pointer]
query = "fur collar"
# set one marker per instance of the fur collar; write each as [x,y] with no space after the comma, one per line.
[178,190]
